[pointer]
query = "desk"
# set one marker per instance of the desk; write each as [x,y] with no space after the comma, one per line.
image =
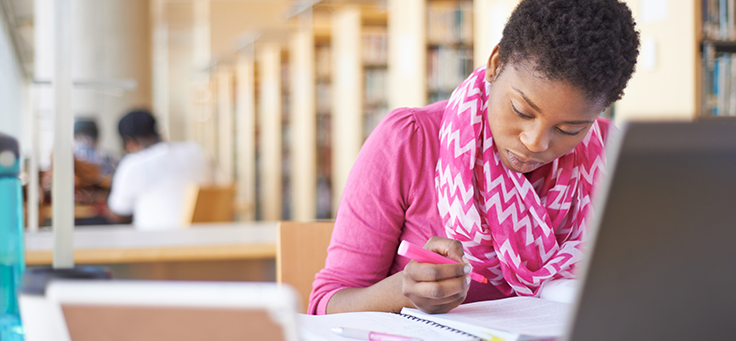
[214,251]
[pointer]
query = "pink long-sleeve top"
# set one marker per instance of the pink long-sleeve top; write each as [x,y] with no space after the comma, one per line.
[389,197]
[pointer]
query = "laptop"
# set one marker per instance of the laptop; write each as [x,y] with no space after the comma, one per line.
[662,251]
[172,310]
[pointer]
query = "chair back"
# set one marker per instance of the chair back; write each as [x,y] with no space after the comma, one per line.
[209,204]
[301,250]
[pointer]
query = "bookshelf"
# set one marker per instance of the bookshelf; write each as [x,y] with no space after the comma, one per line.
[287,151]
[718,56]
[449,46]
[375,73]
[323,59]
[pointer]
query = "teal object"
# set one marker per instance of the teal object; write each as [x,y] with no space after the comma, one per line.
[12,256]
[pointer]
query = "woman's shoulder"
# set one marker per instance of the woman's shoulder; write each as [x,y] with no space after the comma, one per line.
[403,122]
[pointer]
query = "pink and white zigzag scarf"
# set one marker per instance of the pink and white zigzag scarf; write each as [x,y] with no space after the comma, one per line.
[517,230]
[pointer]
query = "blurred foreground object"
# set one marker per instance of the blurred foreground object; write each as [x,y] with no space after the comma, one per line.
[12,261]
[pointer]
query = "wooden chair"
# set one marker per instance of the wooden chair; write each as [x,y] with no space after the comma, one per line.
[301,250]
[208,204]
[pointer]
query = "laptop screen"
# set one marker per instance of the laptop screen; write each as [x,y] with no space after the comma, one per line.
[662,252]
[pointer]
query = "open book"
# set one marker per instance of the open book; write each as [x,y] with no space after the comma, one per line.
[509,319]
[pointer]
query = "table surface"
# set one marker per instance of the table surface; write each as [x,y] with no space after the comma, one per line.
[125,244]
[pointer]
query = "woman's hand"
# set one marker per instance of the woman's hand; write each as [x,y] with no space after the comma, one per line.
[437,288]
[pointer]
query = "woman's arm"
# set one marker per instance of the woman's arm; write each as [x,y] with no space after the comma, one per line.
[432,288]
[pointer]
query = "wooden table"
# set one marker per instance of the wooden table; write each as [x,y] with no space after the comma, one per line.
[207,245]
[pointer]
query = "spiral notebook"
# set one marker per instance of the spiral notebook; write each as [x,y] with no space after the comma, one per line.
[509,319]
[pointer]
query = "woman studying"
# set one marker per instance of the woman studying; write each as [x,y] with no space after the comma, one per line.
[499,178]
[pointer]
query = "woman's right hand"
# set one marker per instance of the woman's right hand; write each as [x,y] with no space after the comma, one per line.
[437,288]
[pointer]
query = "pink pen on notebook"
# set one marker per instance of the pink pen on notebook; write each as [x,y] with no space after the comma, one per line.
[423,255]
[370,335]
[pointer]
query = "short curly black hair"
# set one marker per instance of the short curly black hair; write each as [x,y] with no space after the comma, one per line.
[592,44]
[138,123]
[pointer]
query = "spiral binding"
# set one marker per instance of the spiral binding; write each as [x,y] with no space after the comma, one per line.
[438,325]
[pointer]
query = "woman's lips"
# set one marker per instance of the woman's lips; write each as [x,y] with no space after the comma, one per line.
[522,165]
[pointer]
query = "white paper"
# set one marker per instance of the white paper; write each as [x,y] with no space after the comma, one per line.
[517,315]
[313,328]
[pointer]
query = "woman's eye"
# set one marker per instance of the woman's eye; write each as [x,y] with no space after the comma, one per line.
[567,132]
[519,112]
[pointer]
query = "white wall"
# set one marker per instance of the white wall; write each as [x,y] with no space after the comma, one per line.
[12,88]
[665,88]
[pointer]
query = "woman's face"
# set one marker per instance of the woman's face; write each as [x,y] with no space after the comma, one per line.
[534,120]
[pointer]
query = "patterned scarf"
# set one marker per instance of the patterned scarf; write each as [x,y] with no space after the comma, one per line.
[517,230]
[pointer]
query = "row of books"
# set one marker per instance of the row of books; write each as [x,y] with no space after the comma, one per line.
[719,19]
[324,97]
[324,166]
[375,46]
[719,85]
[376,84]
[374,52]
[450,22]
[447,67]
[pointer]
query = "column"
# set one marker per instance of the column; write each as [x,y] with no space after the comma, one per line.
[303,126]
[489,19]
[269,117]
[225,128]
[160,63]
[245,120]
[407,53]
[63,160]
[347,89]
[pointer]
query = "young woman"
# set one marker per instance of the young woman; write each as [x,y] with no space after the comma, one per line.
[498,178]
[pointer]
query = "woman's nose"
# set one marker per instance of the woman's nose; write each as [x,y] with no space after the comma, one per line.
[535,139]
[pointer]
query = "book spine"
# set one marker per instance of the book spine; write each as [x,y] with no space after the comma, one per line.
[726,85]
[731,110]
[731,20]
[716,67]
[723,20]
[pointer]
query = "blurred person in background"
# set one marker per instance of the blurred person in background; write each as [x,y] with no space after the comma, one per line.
[151,180]
[86,149]
[92,171]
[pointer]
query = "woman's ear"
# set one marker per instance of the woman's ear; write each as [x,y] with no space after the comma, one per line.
[493,68]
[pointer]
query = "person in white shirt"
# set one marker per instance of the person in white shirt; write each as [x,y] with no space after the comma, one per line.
[151,180]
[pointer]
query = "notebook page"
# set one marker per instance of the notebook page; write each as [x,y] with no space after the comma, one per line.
[313,328]
[518,315]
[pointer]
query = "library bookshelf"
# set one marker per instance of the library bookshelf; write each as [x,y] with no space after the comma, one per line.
[718,58]
[375,70]
[323,53]
[449,46]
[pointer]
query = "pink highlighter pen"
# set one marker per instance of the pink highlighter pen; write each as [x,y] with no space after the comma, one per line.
[368,335]
[423,255]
